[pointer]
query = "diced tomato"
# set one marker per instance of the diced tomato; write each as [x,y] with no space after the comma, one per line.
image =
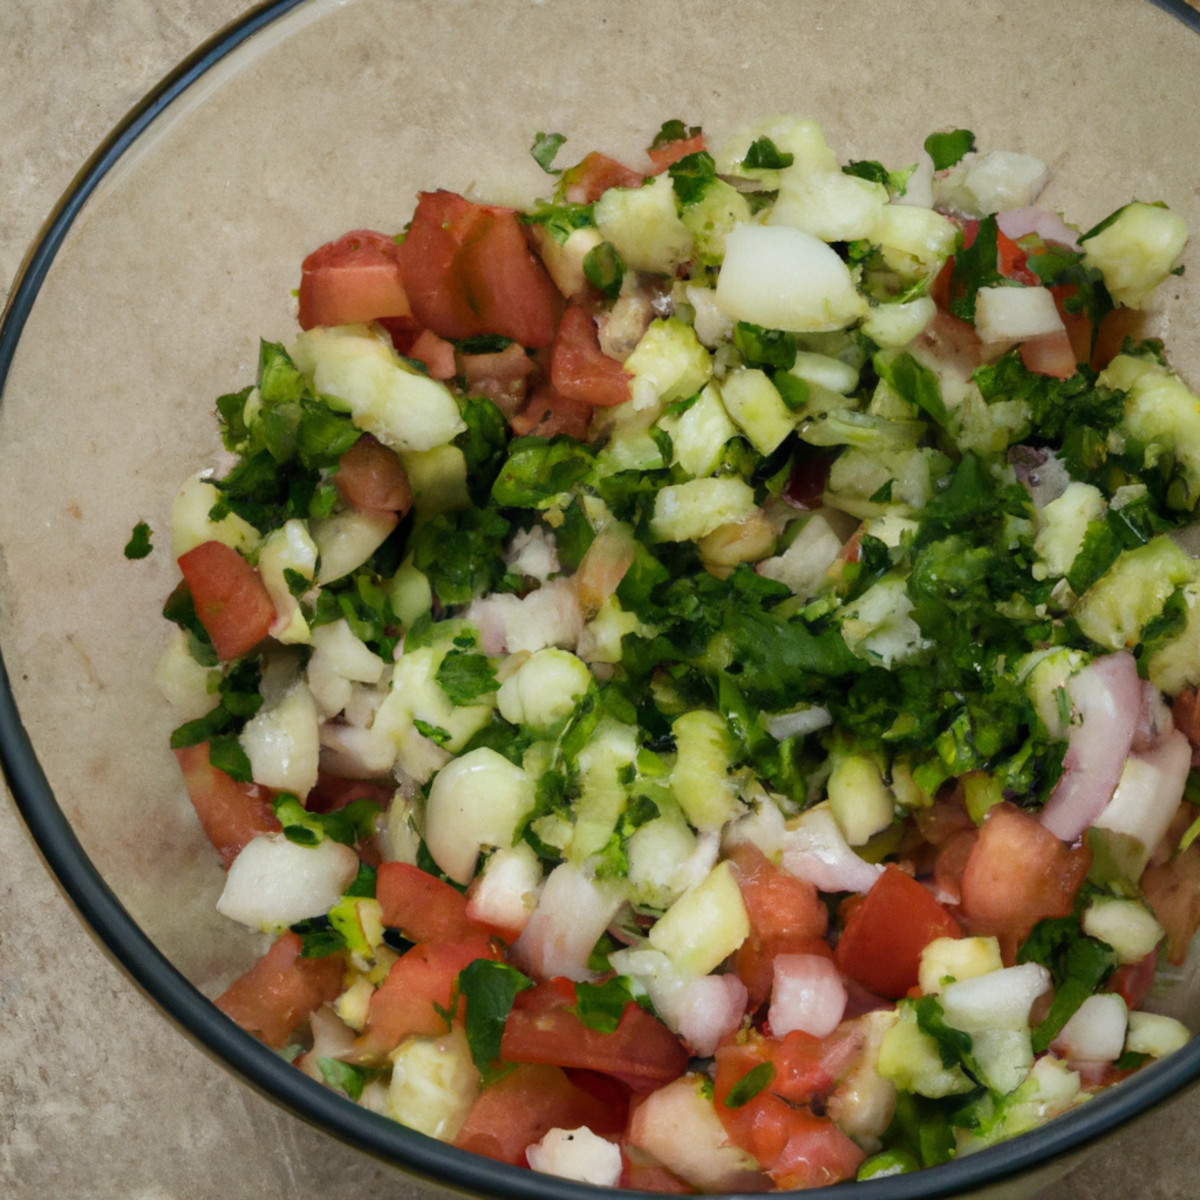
[371,476]
[950,863]
[807,1067]
[1018,873]
[1132,981]
[355,279]
[1077,324]
[1115,326]
[1172,889]
[548,414]
[469,271]
[671,152]
[579,369]
[502,376]
[518,1110]
[1050,354]
[280,990]
[882,941]
[589,179]
[420,982]
[435,352]
[817,1153]
[333,792]
[230,813]
[1185,712]
[786,917]
[1011,261]
[641,1051]
[427,909]
[231,600]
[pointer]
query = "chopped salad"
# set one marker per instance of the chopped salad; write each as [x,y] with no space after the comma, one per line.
[697,677]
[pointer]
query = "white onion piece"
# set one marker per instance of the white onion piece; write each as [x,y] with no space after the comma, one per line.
[918,189]
[505,893]
[1096,1031]
[798,723]
[815,849]
[572,912]
[995,1000]
[1148,792]
[274,883]
[577,1154]
[547,616]
[784,278]
[807,993]
[1012,314]
[1106,697]
[703,1010]
[1015,223]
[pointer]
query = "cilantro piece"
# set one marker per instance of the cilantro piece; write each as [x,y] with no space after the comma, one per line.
[764,155]
[464,677]
[975,266]
[674,131]
[573,537]
[559,220]
[180,609]
[955,1048]
[461,553]
[239,700]
[756,1080]
[318,938]
[226,754]
[484,343]
[544,150]
[691,176]
[347,1077]
[483,443]
[912,381]
[539,470]
[489,989]
[921,1128]
[886,1163]
[604,269]
[600,1005]
[139,545]
[765,347]
[949,147]
[435,733]
[1078,964]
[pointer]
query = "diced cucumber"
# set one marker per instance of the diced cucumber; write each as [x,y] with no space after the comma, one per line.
[945,960]
[1155,1034]
[410,593]
[859,799]
[699,433]
[434,1083]
[1118,606]
[1135,250]
[544,689]
[894,325]
[879,627]
[915,241]
[288,548]
[710,218]
[805,565]
[1061,526]
[752,400]
[911,1060]
[1128,926]
[668,364]
[1175,665]
[644,227]
[700,779]
[828,204]
[347,539]
[191,524]
[705,925]
[438,478]
[686,511]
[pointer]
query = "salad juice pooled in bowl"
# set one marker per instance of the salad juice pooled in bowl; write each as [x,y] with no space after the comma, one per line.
[698,675]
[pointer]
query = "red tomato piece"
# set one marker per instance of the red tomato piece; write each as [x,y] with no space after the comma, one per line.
[579,369]
[1132,981]
[469,272]
[419,983]
[548,414]
[1172,889]
[881,944]
[231,600]
[1050,354]
[1018,873]
[808,1067]
[671,152]
[503,376]
[230,813]
[435,352]
[642,1052]
[1011,261]
[353,280]
[518,1110]
[817,1153]
[761,1124]
[371,476]
[427,909]
[590,178]
[280,990]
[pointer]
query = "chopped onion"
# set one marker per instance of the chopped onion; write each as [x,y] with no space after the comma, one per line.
[577,1154]
[807,993]
[1012,314]
[815,849]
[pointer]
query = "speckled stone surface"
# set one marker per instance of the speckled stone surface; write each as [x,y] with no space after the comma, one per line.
[100,1096]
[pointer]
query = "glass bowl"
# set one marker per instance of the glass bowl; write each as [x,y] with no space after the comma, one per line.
[178,247]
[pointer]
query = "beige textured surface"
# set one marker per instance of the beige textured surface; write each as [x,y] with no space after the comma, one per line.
[99,1095]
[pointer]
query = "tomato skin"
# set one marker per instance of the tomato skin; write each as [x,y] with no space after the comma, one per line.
[641,1052]
[999,899]
[1132,981]
[1172,889]
[548,414]
[579,369]
[881,943]
[590,178]
[230,813]
[427,909]
[370,475]
[518,1110]
[351,281]
[280,990]
[419,982]
[231,600]
[670,153]
[817,1153]
[469,272]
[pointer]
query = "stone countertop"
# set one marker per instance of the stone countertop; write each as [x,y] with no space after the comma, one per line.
[100,1096]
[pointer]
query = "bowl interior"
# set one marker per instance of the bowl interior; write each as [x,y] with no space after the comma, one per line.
[332,117]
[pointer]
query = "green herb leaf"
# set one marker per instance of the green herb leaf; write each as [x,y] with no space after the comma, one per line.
[489,989]
[600,1005]
[544,150]
[346,1077]
[756,1080]
[604,269]
[764,155]
[691,176]
[139,545]
[464,677]
[948,147]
